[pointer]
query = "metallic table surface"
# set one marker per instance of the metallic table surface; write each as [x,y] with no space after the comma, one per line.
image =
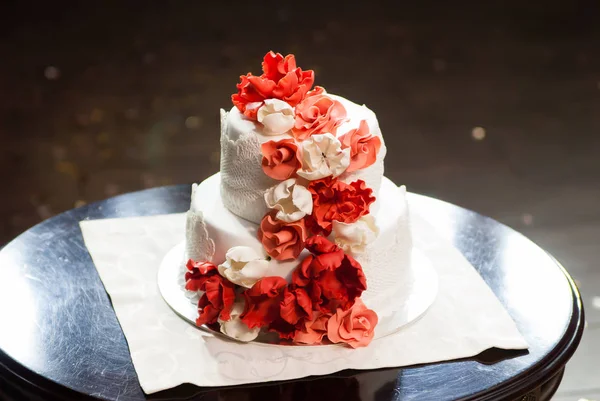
[60,338]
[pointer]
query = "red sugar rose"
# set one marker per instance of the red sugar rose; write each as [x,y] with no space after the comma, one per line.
[317,114]
[219,293]
[295,308]
[217,300]
[281,159]
[318,245]
[282,240]
[331,278]
[263,301]
[275,66]
[252,90]
[197,274]
[281,79]
[284,329]
[312,331]
[296,305]
[336,200]
[292,82]
[354,326]
[363,147]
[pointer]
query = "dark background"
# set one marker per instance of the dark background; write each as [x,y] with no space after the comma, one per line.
[101,98]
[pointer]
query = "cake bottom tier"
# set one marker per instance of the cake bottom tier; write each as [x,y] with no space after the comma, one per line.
[212,230]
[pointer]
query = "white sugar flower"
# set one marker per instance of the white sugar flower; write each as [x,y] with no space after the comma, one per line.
[322,156]
[354,237]
[243,266]
[292,200]
[235,328]
[277,116]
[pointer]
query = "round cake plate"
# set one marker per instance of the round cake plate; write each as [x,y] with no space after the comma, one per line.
[420,295]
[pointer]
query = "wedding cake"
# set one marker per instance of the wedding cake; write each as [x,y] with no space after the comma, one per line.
[299,235]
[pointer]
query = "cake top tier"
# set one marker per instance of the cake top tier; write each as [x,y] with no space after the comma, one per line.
[282,101]
[281,127]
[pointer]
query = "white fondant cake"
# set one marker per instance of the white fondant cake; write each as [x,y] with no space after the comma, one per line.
[386,261]
[300,233]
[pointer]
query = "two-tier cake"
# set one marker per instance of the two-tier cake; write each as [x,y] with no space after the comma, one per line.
[300,235]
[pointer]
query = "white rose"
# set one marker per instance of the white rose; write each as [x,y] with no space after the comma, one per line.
[292,200]
[322,156]
[356,236]
[235,328]
[243,266]
[277,116]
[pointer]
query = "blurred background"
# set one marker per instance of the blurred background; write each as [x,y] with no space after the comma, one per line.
[494,106]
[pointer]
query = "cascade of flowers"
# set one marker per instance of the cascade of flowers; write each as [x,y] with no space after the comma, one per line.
[313,214]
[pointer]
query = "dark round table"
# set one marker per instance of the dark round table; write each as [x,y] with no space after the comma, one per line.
[60,339]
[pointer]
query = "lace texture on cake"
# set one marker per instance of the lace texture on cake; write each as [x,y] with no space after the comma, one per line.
[243,182]
[198,245]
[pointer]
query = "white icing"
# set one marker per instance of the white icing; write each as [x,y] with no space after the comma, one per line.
[276,116]
[323,156]
[244,266]
[243,180]
[385,261]
[355,237]
[291,200]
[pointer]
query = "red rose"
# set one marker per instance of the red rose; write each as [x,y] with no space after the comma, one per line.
[313,227]
[197,274]
[281,240]
[282,328]
[275,66]
[292,83]
[354,326]
[219,293]
[217,300]
[325,256]
[318,245]
[312,331]
[293,87]
[340,287]
[295,305]
[295,308]
[281,80]
[317,114]
[281,159]
[332,279]
[252,90]
[336,200]
[363,147]
[263,301]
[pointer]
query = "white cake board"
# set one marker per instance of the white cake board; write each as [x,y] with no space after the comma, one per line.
[418,297]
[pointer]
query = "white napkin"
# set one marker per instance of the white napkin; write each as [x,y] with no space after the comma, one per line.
[465,319]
